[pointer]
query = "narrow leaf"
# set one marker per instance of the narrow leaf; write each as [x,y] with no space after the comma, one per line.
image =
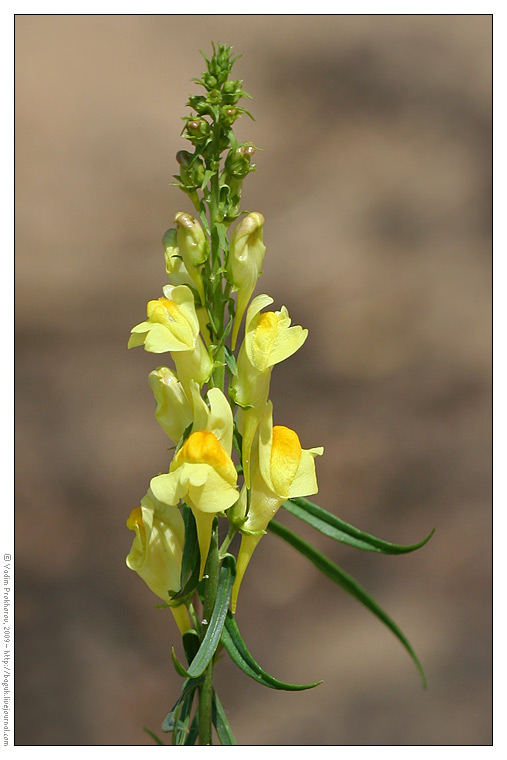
[188,687]
[191,642]
[191,559]
[180,731]
[230,360]
[180,670]
[216,624]
[346,582]
[239,654]
[219,718]
[153,736]
[339,530]
[193,732]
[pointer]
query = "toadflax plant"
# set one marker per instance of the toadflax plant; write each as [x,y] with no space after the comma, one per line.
[232,468]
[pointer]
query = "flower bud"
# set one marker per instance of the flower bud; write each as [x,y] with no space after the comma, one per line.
[174,265]
[191,170]
[210,81]
[193,248]
[173,411]
[244,264]
[237,163]
[229,114]
[199,103]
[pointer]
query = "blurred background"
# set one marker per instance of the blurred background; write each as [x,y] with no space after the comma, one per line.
[375,182]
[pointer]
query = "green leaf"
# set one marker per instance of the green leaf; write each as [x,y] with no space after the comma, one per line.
[239,654]
[332,526]
[191,559]
[180,670]
[191,643]
[222,236]
[153,736]
[230,360]
[216,624]
[208,174]
[219,718]
[188,688]
[184,437]
[193,732]
[180,730]
[340,577]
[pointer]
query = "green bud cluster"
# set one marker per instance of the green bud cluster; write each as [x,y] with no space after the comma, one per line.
[208,128]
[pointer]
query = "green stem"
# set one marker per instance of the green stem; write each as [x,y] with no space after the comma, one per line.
[226,542]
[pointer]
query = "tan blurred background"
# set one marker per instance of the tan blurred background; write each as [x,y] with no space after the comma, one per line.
[375,182]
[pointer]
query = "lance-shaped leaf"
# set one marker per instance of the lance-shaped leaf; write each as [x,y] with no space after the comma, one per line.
[332,526]
[153,736]
[187,690]
[193,732]
[212,638]
[239,654]
[340,577]
[191,558]
[223,728]
[181,727]
[191,644]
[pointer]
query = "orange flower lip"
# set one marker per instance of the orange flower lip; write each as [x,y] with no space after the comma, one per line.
[164,311]
[203,447]
[135,519]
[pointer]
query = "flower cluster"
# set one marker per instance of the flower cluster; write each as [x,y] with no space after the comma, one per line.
[229,461]
[211,399]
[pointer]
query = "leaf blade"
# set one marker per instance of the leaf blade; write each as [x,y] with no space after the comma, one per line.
[212,638]
[190,561]
[347,583]
[240,655]
[331,526]
[221,723]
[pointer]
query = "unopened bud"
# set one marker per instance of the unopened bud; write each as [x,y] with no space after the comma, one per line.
[191,170]
[174,265]
[244,264]
[192,246]
[238,161]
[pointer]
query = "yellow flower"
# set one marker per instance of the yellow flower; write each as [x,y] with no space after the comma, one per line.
[281,470]
[202,471]
[173,326]
[157,550]
[269,339]
[244,264]
[193,248]
[173,411]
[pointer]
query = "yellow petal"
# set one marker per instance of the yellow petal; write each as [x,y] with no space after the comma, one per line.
[156,551]
[305,481]
[221,421]
[173,411]
[285,458]
[167,488]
